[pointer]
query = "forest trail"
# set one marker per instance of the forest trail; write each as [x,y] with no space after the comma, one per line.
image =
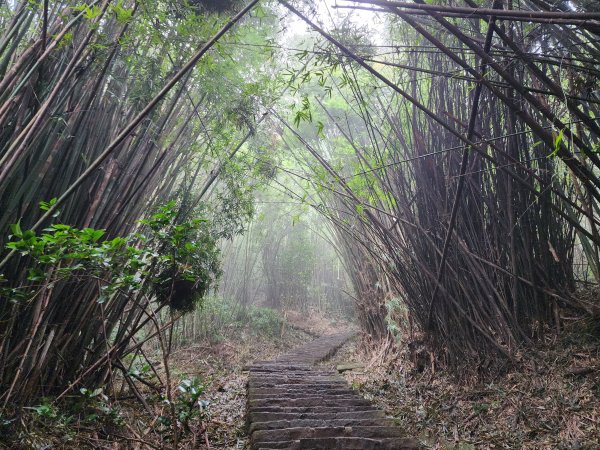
[294,405]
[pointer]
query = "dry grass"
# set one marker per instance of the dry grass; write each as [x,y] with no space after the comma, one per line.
[221,366]
[551,401]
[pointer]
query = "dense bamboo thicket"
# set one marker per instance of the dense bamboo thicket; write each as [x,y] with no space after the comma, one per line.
[475,165]
[102,120]
[451,153]
[285,264]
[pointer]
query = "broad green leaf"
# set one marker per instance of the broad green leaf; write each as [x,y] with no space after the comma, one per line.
[15,228]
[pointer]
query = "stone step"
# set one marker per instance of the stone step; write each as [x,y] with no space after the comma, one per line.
[273,381]
[289,434]
[334,384]
[313,409]
[275,416]
[279,367]
[298,393]
[344,443]
[310,401]
[297,387]
[292,396]
[294,375]
[320,423]
[293,405]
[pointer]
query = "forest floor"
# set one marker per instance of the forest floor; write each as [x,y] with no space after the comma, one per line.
[215,370]
[550,401]
[223,367]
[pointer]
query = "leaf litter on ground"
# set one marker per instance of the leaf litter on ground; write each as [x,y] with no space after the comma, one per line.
[550,401]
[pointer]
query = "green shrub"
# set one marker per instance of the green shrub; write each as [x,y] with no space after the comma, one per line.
[265,321]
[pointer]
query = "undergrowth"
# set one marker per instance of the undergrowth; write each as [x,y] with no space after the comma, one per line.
[207,391]
[547,400]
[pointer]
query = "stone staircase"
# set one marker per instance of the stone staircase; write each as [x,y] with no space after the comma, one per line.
[294,405]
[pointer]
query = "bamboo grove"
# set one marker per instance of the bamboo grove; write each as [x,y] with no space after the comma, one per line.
[455,162]
[475,177]
[105,118]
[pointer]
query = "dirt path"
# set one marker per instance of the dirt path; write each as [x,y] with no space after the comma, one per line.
[294,405]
